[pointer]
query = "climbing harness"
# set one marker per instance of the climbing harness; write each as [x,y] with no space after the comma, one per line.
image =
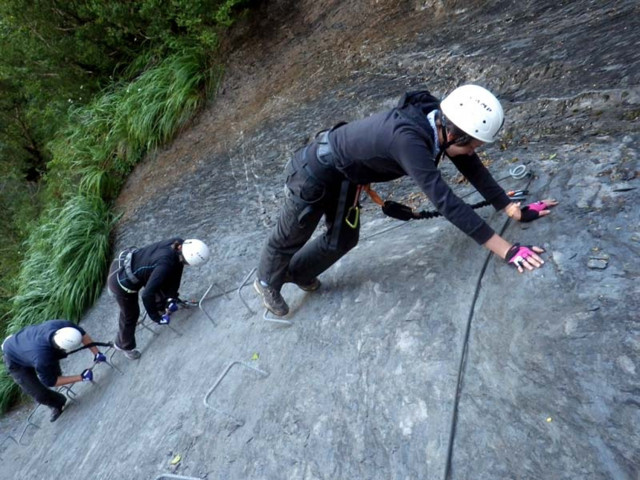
[353,214]
[124,265]
[126,258]
[340,212]
[321,168]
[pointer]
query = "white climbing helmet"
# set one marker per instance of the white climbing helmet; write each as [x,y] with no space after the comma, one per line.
[67,338]
[195,252]
[475,111]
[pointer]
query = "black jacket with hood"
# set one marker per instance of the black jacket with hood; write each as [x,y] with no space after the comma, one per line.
[159,269]
[401,141]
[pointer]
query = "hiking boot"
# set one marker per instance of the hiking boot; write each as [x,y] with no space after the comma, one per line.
[311,286]
[56,412]
[130,354]
[271,299]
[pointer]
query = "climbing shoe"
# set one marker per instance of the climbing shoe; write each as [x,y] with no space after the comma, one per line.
[56,412]
[311,286]
[130,354]
[271,299]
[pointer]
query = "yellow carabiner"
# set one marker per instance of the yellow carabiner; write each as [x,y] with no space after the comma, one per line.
[356,218]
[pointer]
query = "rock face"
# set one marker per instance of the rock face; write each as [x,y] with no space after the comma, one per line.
[421,357]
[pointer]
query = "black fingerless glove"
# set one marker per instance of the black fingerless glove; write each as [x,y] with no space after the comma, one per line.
[528,215]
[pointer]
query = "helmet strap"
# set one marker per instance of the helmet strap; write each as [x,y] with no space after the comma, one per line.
[443,132]
[460,140]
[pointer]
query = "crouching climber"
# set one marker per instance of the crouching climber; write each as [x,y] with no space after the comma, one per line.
[32,358]
[158,268]
[326,177]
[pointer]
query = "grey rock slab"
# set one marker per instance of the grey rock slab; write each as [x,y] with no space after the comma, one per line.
[554,380]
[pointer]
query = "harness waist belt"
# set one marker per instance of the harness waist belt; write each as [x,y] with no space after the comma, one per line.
[324,154]
[318,161]
[126,265]
[128,290]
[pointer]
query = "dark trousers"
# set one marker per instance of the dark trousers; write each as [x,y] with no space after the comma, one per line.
[30,384]
[129,310]
[288,249]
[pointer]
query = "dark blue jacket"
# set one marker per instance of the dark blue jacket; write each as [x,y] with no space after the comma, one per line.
[32,347]
[400,142]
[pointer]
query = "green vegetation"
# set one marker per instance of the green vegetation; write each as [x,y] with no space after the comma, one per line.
[63,284]
[105,139]
[86,89]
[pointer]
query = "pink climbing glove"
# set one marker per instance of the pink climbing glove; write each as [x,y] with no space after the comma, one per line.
[518,254]
[536,210]
[538,206]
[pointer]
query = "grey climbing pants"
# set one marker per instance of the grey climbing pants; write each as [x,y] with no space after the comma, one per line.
[310,194]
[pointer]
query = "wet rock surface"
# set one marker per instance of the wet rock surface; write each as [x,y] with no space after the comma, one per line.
[421,357]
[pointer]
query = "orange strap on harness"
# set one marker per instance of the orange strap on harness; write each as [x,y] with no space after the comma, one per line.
[372,193]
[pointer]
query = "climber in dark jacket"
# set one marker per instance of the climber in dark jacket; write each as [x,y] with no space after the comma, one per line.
[158,268]
[324,178]
[32,357]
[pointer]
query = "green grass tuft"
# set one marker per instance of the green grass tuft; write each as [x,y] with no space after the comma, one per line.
[66,263]
[107,138]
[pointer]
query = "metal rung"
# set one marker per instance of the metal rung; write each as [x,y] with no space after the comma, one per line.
[225,293]
[109,362]
[273,319]
[204,297]
[29,423]
[68,391]
[8,437]
[244,284]
[142,323]
[222,375]
[265,316]
[176,477]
